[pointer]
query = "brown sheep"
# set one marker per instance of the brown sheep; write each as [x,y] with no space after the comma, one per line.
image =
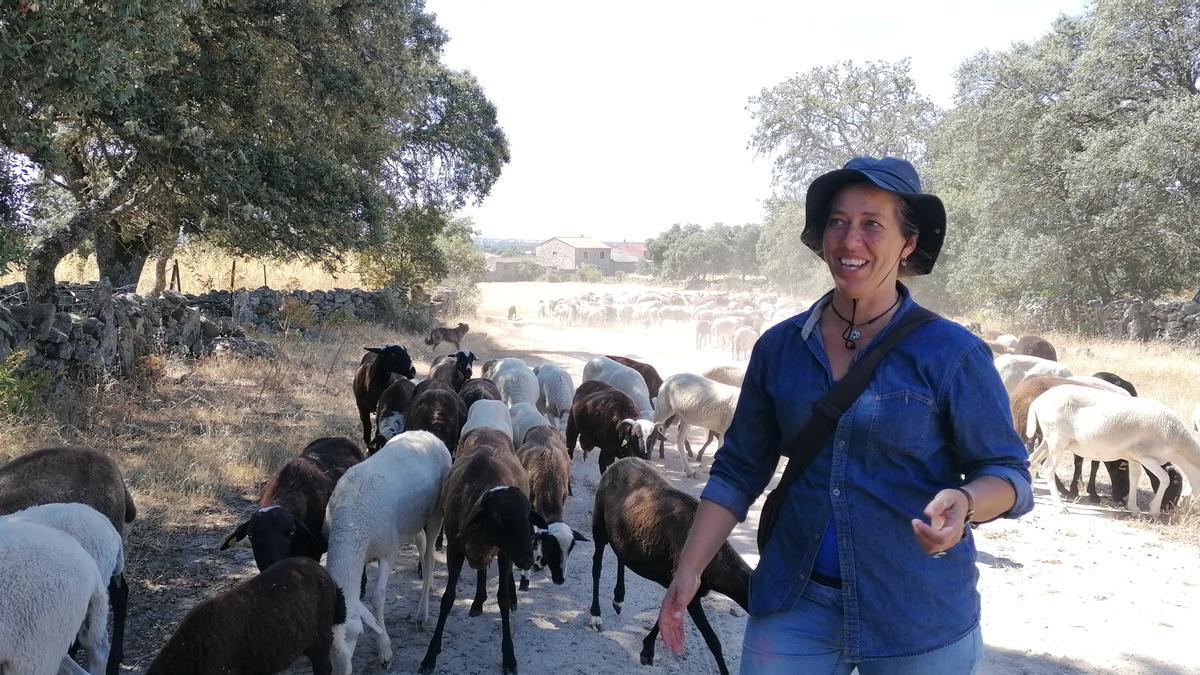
[544,456]
[228,634]
[453,368]
[607,419]
[291,512]
[477,389]
[437,408]
[75,474]
[703,333]
[1032,345]
[443,334]
[486,507]
[375,371]
[646,521]
[647,371]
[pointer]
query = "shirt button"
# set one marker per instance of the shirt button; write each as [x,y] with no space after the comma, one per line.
[841,444]
[836,492]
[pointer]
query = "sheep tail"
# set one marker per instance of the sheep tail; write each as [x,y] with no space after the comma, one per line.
[1031,423]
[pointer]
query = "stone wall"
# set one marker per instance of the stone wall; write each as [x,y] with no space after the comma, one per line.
[92,329]
[1145,320]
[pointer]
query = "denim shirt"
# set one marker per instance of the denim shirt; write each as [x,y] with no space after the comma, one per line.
[935,415]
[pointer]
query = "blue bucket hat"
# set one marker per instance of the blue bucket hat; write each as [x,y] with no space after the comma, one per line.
[894,175]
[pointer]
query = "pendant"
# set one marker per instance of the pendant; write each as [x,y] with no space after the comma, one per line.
[854,334]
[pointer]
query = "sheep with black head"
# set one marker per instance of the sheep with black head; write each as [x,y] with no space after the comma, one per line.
[544,456]
[608,419]
[486,506]
[291,512]
[375,372]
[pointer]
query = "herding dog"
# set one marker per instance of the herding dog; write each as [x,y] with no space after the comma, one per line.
[452,335]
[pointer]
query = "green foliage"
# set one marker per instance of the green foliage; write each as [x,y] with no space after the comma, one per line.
[528,271]
[407,253]
[690,251]
[1071,164]
[269,129]
[783,259]
[590,273]
[817,120]
[21,391]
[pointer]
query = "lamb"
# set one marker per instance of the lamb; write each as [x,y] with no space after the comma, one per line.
[516,381]
[437,408]
[486,505]
[75,474]
[489,415]
[377,507]
[730,375]
[1014,367]
[525,416]
[703,333]
[391,410]
[556,390]
[624,379]
[478,389]
[291,512]
[453,368]
[452,335]
[1032,345]
[695,400]
[544,456]
[651,377]
[1105,426]
[608,419]
[375,371]
[263,625]
[53,594]
[646,521]
[743,341]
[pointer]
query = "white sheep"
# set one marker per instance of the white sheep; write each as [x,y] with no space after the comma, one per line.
[377,507]
[516,381]
[92,529]
[52,594]
[624,379]
[488,414]
[525,416]
[694,400]
[556,390]
[1007,341]
[1104,426]
[1196,417]
[730,375]
[723,328]
[743,341]
[1015,367]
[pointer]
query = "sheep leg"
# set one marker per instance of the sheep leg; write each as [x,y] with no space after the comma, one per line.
[524,580]
[508,657]
[1152,467]
[680,444]
[647,655]
[599,541]
[572,436]
[511,582]
[480,593]
[365,417]
[696,610]
[619,589]
[435,522]
[1118,476]
[69,667]
[118,596]
[711,435]
[454,563]
[380,591]
[1135,472]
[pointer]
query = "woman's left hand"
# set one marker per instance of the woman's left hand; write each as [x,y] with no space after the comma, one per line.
[947,513]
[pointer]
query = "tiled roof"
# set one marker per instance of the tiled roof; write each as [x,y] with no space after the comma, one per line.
[582,242]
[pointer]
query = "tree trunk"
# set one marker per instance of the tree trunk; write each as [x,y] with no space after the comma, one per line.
[39,273]
[121,257]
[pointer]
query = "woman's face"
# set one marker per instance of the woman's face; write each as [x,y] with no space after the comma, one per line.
[864,241]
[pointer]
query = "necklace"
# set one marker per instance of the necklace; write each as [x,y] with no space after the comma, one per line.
[852,334]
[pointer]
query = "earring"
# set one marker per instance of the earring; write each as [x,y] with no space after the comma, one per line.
[904,262]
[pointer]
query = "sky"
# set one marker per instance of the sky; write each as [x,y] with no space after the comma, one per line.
[626,117]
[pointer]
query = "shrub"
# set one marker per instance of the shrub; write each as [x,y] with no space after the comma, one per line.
[590,273]
[21,391]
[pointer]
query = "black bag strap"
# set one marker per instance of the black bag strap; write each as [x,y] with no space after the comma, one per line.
[829,408]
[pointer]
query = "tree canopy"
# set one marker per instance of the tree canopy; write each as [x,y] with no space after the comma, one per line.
[297,128]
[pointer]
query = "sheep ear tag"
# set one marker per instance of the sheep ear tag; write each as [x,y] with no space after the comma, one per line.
[624,442]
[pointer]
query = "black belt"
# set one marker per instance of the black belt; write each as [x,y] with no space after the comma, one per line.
[831,582]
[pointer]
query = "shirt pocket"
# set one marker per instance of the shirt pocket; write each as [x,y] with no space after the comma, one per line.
[902,423]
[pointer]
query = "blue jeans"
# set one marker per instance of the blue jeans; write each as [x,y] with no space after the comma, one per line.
[808,639]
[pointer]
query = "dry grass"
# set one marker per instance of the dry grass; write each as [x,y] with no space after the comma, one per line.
[202,269]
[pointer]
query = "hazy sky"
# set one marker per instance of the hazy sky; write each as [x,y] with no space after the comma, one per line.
[625,117]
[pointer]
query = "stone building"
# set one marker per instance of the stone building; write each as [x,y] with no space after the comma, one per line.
[572,253]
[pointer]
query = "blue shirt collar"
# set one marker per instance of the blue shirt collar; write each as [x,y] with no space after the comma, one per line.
[809,323]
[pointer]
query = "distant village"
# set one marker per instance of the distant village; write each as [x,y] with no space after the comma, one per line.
[515,259]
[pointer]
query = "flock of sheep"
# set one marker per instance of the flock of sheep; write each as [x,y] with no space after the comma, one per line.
[483,463]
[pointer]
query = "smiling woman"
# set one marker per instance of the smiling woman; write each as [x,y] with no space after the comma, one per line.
[851,575]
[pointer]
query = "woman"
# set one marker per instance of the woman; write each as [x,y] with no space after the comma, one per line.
[853,575]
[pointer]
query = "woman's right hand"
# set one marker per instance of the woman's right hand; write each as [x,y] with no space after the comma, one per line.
[679,595]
